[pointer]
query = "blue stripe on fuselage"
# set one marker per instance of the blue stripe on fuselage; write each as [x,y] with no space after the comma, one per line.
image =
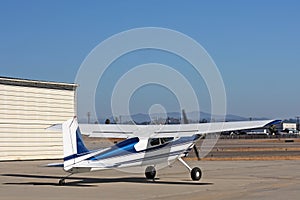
[122,148]
[127,147]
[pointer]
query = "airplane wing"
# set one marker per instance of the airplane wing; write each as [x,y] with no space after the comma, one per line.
[206,128]
[181,130]
[102,130]
[108,130]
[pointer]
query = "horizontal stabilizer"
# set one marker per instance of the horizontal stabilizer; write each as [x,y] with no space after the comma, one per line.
[55,127]
[54,165]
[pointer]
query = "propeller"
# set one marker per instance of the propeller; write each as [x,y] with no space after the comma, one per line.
[186,121]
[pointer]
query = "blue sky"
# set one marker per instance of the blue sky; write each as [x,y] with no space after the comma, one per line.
[255,45]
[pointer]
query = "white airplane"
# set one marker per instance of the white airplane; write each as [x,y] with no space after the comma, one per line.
[146,146]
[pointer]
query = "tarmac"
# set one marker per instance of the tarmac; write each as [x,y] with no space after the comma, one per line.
[277,179]
[253,149]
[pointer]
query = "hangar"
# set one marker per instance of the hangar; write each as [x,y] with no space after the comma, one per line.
[27,107]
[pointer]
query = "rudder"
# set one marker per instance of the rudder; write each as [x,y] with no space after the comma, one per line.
[73,145]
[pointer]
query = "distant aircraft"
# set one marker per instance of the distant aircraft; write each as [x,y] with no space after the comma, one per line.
[161,143]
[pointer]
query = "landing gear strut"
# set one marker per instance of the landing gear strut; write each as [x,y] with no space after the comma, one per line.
[150,172]
[195,172]
[62,181]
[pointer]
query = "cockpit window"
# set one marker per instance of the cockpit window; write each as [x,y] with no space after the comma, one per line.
[159,141]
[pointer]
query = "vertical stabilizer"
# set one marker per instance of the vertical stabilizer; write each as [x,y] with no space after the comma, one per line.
[72,142]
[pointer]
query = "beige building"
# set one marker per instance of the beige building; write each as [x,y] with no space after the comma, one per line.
[27,107]
[290,126]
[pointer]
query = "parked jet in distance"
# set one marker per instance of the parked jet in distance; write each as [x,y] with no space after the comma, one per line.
[146,146]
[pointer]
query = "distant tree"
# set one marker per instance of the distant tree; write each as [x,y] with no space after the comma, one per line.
[203,121]
[289,120]
[168,120]
[107,121]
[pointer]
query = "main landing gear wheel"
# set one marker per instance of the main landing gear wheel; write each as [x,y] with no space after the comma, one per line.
[150,172]
[196,174]
[61,182]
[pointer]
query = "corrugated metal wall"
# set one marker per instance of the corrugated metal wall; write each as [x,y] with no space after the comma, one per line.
[25,112]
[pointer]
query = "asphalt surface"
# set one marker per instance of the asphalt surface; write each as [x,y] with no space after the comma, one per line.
[221,180]
[255,179]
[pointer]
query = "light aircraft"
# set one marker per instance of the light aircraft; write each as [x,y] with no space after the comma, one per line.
[146,146]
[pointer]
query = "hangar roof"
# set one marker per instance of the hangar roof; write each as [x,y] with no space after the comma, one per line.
[37,83]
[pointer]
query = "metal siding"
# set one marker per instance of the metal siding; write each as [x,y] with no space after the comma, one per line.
[25,112]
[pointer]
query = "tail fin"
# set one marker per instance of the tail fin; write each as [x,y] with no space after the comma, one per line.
[72,143]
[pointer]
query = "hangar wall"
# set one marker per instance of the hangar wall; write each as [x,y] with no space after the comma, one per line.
[27,107]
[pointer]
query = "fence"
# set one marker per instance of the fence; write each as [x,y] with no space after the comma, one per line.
[283,136]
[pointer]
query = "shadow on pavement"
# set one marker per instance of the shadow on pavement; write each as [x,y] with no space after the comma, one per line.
[86,182]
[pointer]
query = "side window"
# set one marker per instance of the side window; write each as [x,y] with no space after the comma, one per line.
[166,140]
[158,141]
[154,141]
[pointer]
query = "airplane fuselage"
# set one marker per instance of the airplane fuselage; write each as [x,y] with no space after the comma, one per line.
[124,155]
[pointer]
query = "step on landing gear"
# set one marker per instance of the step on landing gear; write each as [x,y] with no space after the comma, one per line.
[196,173]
